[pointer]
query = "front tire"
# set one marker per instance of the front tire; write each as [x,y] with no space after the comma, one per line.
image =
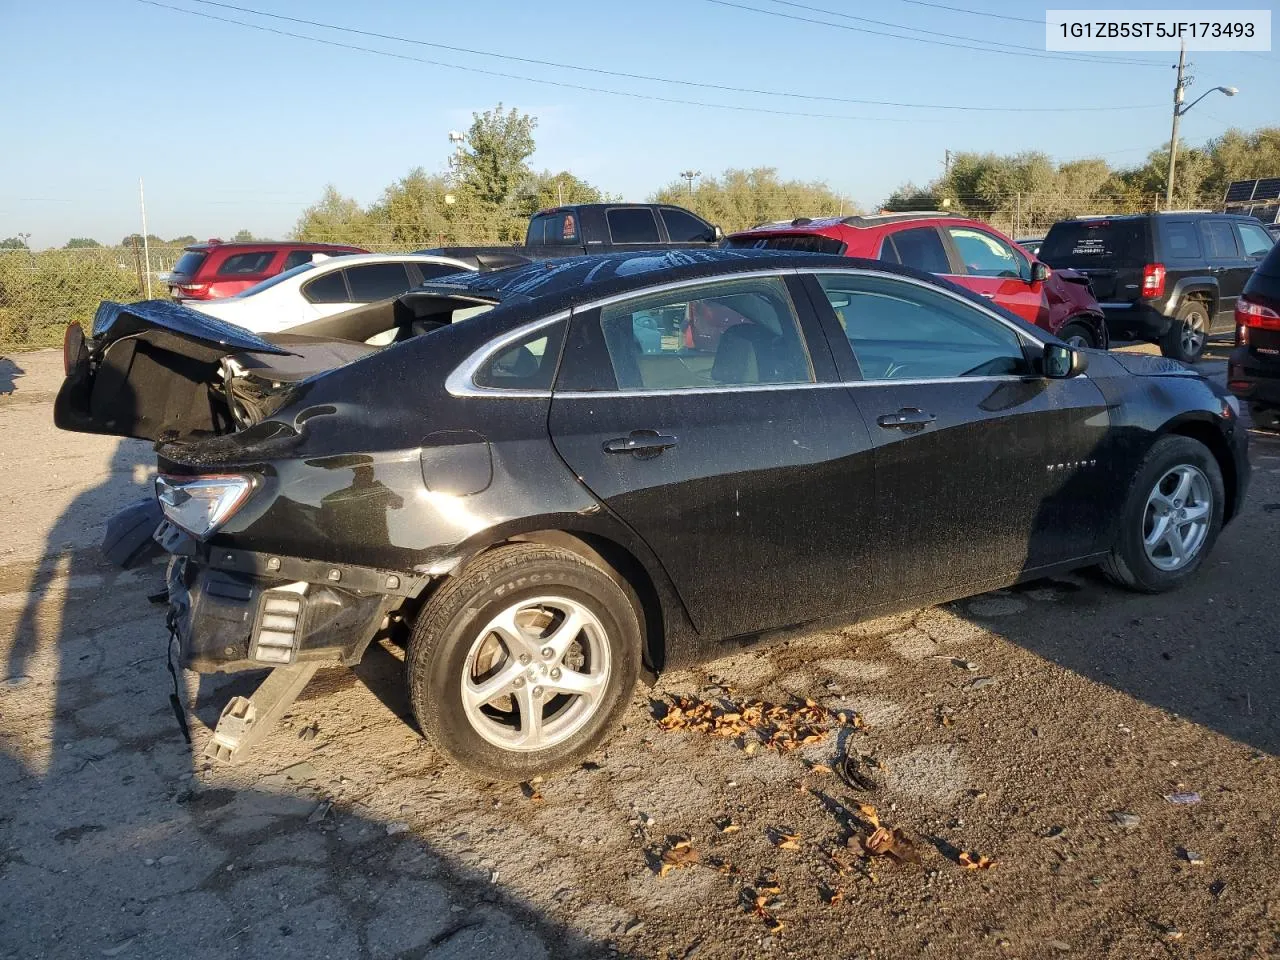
[1171,517]
[1187,335]
[521,665]
[1078,336]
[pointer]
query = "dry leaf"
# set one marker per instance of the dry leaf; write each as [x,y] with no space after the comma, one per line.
[868,811]
[726,825]
[880,842]
[680,854]
[819,768]
[974,861]
[831,895]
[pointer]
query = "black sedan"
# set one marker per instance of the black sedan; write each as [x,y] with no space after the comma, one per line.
[547,488]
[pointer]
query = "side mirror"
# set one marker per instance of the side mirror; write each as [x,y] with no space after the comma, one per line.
[717,234]
[1039,272]
[1060,362]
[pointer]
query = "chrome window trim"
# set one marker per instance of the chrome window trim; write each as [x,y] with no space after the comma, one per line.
[760,387]
[460,382]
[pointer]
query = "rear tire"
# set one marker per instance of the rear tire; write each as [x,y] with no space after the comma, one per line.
[1264,417]
[496,649]
[1188,333]
[1176,498]
[1078,335]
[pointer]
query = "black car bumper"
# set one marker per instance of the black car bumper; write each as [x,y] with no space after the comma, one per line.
[1253,379]
[1137,320]
[234,610]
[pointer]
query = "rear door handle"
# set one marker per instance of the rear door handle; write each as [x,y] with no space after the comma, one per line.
[989,296]
[908,418]
[640,441]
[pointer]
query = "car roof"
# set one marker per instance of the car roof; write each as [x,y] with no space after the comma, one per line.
[248,245]
[355,259]
[808,225]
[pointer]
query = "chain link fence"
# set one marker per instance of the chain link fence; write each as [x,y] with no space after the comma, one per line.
[42,291]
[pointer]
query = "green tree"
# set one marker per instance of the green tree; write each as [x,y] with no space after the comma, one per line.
[739,199]
[547,189]
[13,243]
[152,240]
[338,219]
[183,241]
[492,173]
[242,236]
[416,211]
[80,243]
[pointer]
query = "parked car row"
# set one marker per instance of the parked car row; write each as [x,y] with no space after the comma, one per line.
[549,479]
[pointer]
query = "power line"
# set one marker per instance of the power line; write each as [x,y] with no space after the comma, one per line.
[657,79]
[1018,52]
[975,13]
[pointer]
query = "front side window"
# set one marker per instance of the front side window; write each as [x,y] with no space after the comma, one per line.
[330,288]
[901,331]
[985,255]
[734,332]
[684,227]
[527,364]
[919,247]
[246,264]
[1219,240]
[632,225]
[1257,242]
[377,281]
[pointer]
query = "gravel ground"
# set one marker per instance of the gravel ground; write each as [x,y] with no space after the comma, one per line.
[1044,727]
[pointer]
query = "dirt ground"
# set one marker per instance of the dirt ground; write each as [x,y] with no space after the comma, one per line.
[1044,727]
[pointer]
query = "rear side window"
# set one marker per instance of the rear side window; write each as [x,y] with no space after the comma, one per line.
[377,281]
[189,263]
[528,364]
[734,332]
[432,271]
[920,247]
[804,242]
[1219,240]
[1095,243]
[331,288]
[684,227]
[246,264]
[1180,240]
[297,258]
[554,229]
[632,225]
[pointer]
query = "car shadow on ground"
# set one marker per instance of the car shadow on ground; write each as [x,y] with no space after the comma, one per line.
[9,373]
[115,839]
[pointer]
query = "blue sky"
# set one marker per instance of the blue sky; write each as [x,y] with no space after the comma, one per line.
[233,127]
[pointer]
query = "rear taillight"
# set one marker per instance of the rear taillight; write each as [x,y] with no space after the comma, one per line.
[193,289]
[200,505]
[1255,316]
[1153,280]
[72,344]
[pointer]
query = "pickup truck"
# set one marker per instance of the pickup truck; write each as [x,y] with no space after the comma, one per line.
[583,228]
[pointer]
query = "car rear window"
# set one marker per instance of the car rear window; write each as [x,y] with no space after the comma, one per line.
[246,264]
[803,242]
[189,263]
[1095,243]
[1179,240]
[632,225]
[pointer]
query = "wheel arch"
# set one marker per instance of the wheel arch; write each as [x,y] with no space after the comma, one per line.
[1097,324]
[1203,430]
[1194,288]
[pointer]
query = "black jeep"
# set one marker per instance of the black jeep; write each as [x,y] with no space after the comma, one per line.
[1169,278]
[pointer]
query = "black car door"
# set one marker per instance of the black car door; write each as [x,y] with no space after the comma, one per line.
[983,469]
[735,454]
[1229,267]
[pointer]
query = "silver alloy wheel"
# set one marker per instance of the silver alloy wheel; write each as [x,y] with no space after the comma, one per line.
[1078,341]
[1176,520]
[536,674]
[1192,333]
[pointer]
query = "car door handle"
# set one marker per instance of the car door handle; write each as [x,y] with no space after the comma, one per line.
[640,441]
[989,296]
[908,418]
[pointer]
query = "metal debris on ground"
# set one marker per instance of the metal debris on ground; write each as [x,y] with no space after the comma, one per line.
[1192,858]
[1125,819]
[1183,799]
[780,727]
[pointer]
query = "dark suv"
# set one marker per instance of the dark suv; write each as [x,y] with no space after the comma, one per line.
[207,271]
[1253,373]
[1169,278]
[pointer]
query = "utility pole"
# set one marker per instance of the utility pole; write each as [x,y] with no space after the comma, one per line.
[946,162]
[1178,89]
[690,175]
[146,246]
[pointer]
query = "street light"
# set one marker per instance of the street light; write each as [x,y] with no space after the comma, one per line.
[1178,111]
[690,175]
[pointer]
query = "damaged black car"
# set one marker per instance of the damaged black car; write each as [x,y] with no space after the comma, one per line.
[562,477]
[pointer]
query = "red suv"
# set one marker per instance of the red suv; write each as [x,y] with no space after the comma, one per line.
[207,271]
[967,252]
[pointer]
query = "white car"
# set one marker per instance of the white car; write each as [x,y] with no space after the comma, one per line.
[325,286]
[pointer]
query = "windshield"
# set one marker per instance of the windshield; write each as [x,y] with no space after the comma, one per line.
[272,281]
